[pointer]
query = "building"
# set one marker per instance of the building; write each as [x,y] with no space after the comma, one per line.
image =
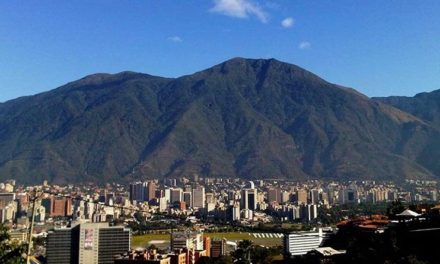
[142,257]
[20,236]
[273,195]
[7,197]
[178,257]
[314,196]
[210,198]
[61,206]
[249,199]
[193,256]
[198,195]
[285,197]
[47,203]
[99,242]
[299,243]
[187,239]
[235,214]
[89,243]
[207,245]
[163,204]
[63,245]
[218,248]
[136,191]
[308,212]
[151,191]
[301,196]
[187,198]
[8,212]
[176,195]
[40,214]
[349,195]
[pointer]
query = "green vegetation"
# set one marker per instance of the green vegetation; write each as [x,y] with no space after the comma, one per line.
[10,252]
[335,214]
[247,253]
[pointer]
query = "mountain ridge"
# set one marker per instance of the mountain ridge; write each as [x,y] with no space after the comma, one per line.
[249,118]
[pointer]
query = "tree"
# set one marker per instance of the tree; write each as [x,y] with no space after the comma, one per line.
[10,252]
[242,254]
[395,208]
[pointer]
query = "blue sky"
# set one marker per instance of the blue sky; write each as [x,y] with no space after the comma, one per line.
[377,47]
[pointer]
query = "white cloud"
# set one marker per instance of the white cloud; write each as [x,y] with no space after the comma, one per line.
[175,39]
[288,22]
[239,8]
[304,45]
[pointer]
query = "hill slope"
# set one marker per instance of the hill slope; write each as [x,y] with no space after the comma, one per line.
[245,118]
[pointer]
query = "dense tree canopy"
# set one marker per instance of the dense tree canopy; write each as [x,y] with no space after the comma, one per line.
[10,252]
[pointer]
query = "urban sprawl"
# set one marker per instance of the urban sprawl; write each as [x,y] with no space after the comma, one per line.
[191,219]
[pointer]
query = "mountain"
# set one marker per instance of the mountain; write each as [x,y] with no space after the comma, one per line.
[425,106]
[248,118]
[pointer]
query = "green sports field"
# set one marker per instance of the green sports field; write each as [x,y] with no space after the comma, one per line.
[144,240]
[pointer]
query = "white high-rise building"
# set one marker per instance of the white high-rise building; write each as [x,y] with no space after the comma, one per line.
[163,204]
[235,212]
[167,194]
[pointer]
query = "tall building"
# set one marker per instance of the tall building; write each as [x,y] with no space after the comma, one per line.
[176,195]
[167,194]
[151,191]
[163,204]
[285,197]
[314,196]
[294,213]
[349,195]
[61,206]
[63,245]
[244,200]
[235,214]
[187,198]
[253,198]
[8,211]
[301,196]
[47,203]
[198,195]
[89,243]
[273,195]
[138,191]
[210,198]
[207,245]
[218,247]
[249,199]
[309,212]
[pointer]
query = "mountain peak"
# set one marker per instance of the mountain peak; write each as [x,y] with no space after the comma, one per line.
[250,118]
